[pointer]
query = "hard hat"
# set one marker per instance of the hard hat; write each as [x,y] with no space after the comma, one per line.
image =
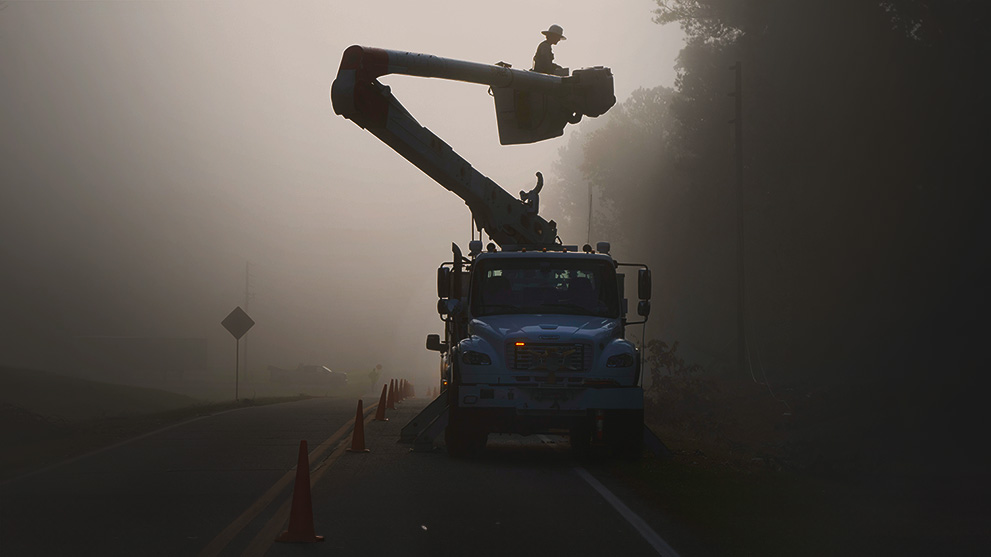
[555,30]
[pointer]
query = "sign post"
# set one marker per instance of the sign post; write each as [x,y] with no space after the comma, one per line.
[237,323]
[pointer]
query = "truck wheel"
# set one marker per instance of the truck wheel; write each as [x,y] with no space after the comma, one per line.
[458,441]
[464,441]
[626,434]
[581,437]
[462,436]
[479,440]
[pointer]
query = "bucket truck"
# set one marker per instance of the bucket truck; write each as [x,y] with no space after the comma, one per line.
[534,330]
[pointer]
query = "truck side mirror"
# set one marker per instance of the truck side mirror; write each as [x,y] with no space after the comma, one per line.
[643,308]
[443,282]
[643,284]
[434,343]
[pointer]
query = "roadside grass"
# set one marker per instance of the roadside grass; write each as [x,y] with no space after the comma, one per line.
[67,398]
[46,418]
[750,476]
[734,511]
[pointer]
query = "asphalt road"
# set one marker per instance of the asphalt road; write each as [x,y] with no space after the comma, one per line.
[222,485]
[168,493]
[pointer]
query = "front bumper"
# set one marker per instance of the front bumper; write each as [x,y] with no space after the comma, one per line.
[545,399]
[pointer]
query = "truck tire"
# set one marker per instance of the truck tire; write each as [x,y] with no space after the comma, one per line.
[462,436]
[581,437]
[458,441]
[625,433]
[454,434]
[463,439]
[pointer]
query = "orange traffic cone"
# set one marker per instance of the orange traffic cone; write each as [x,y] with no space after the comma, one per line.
[391,404]
[380,410]
[358,437]
[301,514]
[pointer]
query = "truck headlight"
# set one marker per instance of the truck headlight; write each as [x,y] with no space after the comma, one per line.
[473,358]
[620,360]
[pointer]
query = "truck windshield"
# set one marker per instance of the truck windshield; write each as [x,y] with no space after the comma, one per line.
[551,285]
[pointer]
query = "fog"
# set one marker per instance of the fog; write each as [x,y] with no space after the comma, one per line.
[820,270]
[151,150]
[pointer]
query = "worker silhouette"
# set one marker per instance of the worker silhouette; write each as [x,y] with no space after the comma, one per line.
[543,60]
[496,291]
[582,293]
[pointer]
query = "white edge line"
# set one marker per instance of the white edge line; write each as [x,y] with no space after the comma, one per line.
[638,523]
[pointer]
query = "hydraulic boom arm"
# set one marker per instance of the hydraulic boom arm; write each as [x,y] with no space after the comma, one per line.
[530,107]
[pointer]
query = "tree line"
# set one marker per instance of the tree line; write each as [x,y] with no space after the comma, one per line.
[864,196]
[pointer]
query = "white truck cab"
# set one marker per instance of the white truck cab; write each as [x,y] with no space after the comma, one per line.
[536,344]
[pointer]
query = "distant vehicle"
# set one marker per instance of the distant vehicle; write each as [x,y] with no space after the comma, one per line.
[308,375]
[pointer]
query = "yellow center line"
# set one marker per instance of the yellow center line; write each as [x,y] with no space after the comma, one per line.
[234,528]
[266,536]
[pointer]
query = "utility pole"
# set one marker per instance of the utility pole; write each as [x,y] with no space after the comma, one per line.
[248,295]
[741,276]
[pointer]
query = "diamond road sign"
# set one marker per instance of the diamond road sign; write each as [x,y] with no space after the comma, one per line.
[238,323]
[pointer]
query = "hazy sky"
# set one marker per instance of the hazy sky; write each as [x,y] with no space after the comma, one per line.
[149,149]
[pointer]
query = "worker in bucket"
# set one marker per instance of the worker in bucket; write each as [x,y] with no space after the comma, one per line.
[543,60]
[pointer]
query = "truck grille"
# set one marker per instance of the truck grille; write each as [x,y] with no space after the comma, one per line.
[549,356]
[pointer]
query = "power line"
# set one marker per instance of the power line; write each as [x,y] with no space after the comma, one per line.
[741,276]
[248,296]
